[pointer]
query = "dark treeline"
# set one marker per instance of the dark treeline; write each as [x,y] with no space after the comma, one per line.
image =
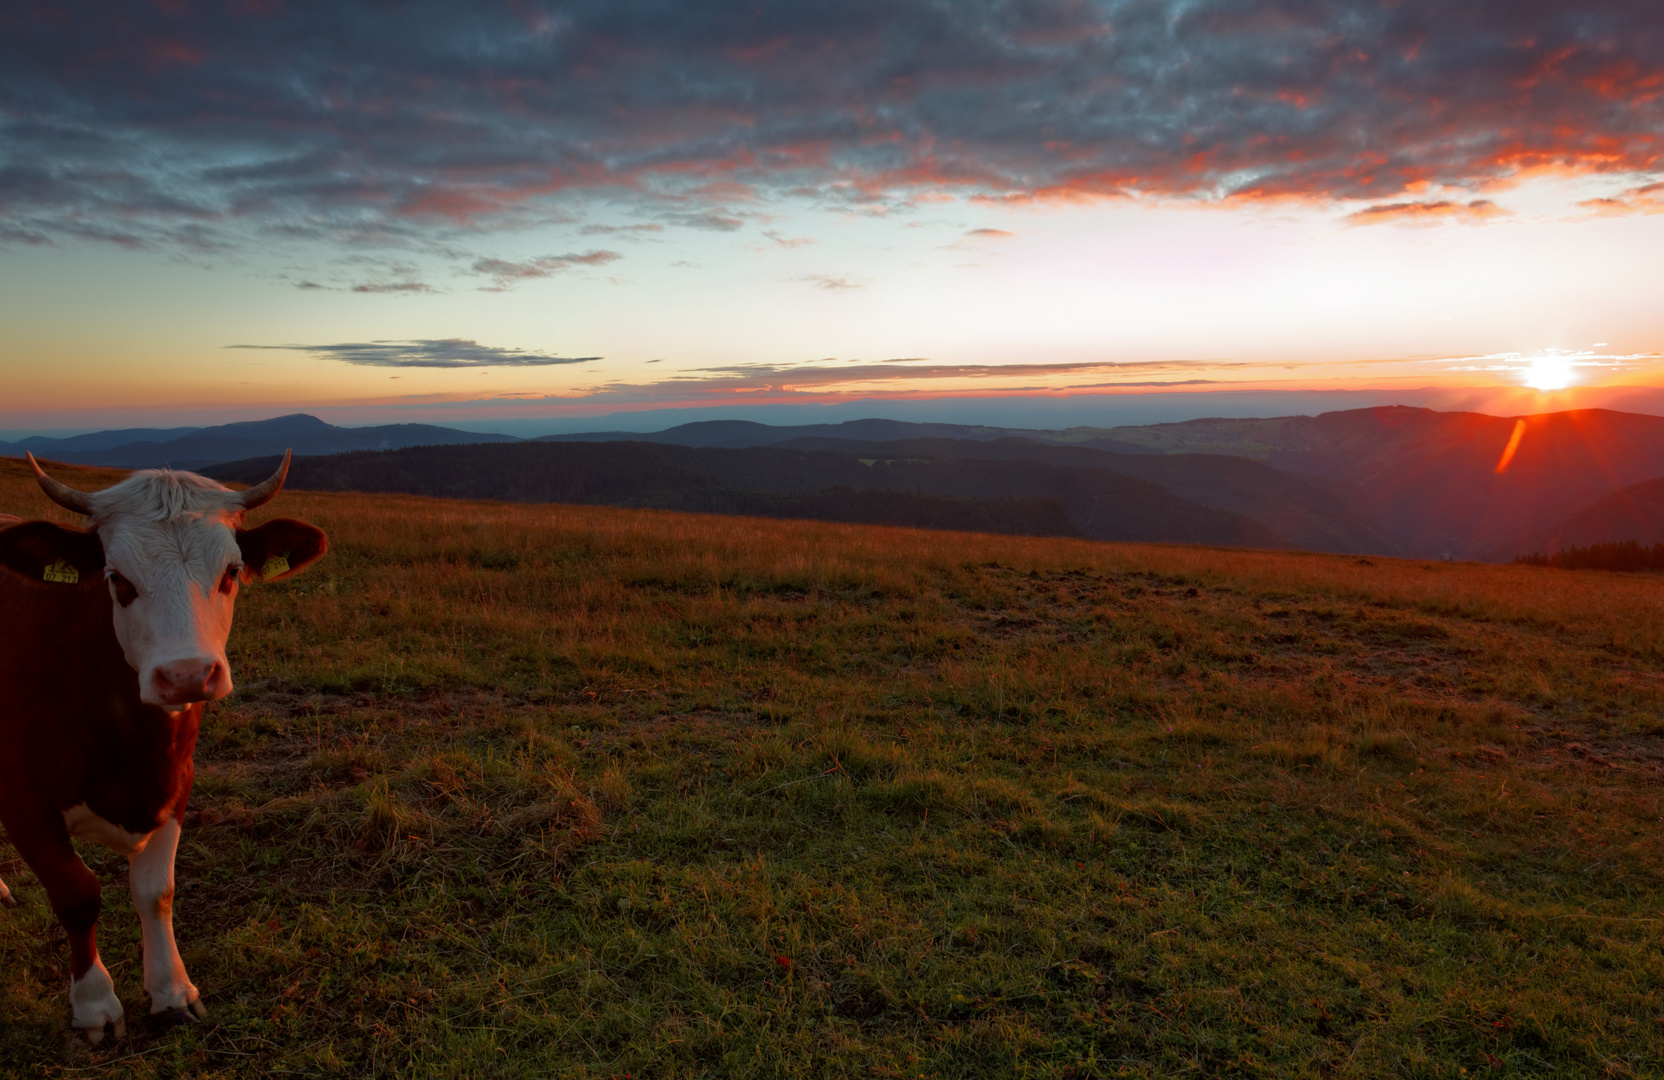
[1627,555]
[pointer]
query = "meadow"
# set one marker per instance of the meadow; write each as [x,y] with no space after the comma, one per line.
[512,790]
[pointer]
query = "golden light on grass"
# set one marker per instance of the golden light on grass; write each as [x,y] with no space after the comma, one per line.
[677,795]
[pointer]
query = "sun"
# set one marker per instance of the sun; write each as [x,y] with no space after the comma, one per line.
[1550,372]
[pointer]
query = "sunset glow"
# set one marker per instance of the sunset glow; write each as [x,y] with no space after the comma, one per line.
[557,210]
[1550,373]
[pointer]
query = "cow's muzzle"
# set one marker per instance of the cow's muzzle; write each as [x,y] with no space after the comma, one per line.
[185,682]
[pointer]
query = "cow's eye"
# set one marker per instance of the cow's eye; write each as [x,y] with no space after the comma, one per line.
[228,580]
[121,588]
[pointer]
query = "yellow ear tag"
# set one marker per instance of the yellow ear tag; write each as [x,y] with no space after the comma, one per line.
[61,572]
[275,566]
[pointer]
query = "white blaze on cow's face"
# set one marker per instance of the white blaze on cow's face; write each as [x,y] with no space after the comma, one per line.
[174,584]
[174,550]
[171,563]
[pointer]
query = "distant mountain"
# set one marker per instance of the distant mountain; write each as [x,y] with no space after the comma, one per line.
[740,434]
[1014,496]
[97,440]
[200,447]
[1392,480]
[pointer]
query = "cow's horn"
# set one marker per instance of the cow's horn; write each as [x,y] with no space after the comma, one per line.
[262,493]
[60,493]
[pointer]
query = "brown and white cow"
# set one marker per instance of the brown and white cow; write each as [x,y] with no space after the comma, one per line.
[111,639]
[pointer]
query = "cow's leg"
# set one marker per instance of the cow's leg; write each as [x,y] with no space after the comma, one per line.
[6,896]
[43,841]
[173,1000]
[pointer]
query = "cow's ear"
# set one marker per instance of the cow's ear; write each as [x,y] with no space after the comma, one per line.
[47,552]
[279,548]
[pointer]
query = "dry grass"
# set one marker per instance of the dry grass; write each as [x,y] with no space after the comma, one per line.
[515,790]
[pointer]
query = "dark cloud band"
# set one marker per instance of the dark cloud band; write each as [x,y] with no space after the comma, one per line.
[432,353]
[178,124]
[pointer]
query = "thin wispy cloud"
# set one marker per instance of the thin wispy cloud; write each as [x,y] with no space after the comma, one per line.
[505,274]
[832,282]
[980,241]
[393,287]
[427,353]
[710,221]
[820,374]
[613,230]
[781,240]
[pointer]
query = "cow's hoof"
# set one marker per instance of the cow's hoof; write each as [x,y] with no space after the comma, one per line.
[180,1014]
[95,1035]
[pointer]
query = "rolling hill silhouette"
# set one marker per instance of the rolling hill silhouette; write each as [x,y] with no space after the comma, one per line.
[1392,480]
[196,448]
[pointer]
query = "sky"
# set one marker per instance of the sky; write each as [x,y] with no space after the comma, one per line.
[511,214]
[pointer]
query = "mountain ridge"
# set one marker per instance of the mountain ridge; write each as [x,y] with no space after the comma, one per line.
[1392,480]
[202,447]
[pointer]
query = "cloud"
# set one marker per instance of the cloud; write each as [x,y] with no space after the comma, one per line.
[711,221]
[977,240]
[784,241]
[505,274]
[429,353]
[392,287]
[826,379]
[608,230]
[198,127]
[831,283]
[1646,199]
[817,375]
[1429,212]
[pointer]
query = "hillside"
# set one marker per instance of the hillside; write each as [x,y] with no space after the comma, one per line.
[1299,511]
[1429,479]
[1632,513]
[1384,480]
[518,790]
[1390,480]
[1010,496]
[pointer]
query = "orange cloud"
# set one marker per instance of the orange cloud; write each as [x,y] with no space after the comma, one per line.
[1647,199]
[1432,212]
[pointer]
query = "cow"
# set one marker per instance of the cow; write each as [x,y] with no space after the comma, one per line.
[111,640]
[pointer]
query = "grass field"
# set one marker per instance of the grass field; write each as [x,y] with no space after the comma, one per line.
[550,791]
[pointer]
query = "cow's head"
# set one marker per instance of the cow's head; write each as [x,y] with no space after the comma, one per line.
[172,551]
